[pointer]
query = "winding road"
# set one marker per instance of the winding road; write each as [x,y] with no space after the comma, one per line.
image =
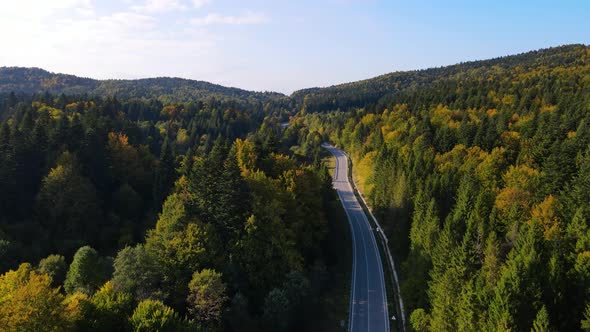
[368,300]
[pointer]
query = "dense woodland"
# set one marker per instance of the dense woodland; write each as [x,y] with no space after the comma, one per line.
[175,208]
[130,214]
[482,180]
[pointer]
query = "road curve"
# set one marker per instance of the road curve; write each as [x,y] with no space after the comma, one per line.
[368,300]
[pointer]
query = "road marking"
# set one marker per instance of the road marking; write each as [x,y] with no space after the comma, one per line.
[368,279]
[351,207]
[383,291]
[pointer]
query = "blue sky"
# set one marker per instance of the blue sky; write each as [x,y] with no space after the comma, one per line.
[277,45]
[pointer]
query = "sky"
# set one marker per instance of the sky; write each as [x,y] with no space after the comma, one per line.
[277,45]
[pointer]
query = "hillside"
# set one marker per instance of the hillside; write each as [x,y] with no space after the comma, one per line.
[36,80]
[479,174]
[371,91]
[148,206]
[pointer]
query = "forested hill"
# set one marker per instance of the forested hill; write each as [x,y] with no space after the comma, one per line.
[376,92]
[201,211]
[36,80]
[480,177]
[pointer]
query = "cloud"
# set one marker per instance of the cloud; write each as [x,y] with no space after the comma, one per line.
[86,12]
[200,3]
[243,19]
[35,9]
[117,44]
[88,38]
[157,6]
[160,6]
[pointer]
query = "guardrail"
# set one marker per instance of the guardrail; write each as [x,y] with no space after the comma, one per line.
[384,242]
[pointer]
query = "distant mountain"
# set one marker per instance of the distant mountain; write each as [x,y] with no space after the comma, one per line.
[363,93]
[36,80]
[371,91]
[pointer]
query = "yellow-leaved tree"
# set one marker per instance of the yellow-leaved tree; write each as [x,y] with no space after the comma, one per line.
[29,303]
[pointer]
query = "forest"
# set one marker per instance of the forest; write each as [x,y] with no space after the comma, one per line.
[134,215]
[171,205]
[480,173]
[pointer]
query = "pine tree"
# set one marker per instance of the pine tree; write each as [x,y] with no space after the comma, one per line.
[165,174]
[8,172]
[68,206]
[541,322]
[76,134]
[59,135]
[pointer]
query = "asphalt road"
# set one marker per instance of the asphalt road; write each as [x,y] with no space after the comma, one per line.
[368,300]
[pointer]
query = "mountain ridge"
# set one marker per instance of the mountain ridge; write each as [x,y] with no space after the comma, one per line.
[38,80]
[354,94]
[371,90]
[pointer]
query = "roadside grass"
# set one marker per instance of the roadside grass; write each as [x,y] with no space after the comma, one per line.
[330,163]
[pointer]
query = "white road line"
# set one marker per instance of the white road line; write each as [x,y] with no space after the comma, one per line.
[368,279]
[383,289]
[341,186]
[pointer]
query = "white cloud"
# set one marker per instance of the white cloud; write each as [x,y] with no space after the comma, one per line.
[86,12]
[246,18]
[200,3]
[117,44]
[35,9]
[157,6]
[87,38]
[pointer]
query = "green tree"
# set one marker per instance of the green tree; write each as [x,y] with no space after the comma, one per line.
[152,316]
[219,194]
[585,323]
[420,320]
[181,245]
[67,205]
[8,188]
[54,266]
[111,309]
[276,310]
[136,271]
[165,173]
[541,322]
[207,297]
[267,251]
[86,273]
[309,227]
[234,201]
[80,311]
